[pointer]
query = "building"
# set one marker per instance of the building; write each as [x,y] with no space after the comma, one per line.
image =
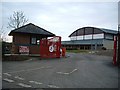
[26,39]
[91,38]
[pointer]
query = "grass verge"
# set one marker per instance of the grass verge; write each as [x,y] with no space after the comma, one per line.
[78,51]
[15,58]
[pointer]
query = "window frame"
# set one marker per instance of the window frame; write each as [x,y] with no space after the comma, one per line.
[31,41]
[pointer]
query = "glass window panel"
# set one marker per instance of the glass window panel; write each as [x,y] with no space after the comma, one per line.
[88,36]
[98,36]
[33,41]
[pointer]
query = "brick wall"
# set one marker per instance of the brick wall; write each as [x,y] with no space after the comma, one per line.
[21,40]
[34,49]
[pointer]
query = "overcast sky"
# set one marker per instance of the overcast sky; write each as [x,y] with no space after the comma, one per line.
[62,18]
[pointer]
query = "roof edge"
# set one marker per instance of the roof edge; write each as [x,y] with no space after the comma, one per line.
[103,29]
[12,31]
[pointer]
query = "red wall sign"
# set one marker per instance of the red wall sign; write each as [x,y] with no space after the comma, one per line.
[50,48]
[23,49]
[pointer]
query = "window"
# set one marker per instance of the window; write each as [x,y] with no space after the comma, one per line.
[98,36]
[33,40]
[38,42]
[88,36]
[109,36]
[88,30]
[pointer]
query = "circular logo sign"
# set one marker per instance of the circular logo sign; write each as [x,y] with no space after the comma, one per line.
[51,48]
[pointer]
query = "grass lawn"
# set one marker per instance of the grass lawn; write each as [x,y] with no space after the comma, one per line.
[78,51]
[15,58]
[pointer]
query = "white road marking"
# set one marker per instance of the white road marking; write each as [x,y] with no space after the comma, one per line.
[67,73]
[24,85]
[73,71]
[17,77]
[8,80]
[29,69]
[62,73]
[35,82]
[7,74]
[0,74]
[52,86]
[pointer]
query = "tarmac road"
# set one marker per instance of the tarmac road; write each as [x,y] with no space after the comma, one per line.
[75,71]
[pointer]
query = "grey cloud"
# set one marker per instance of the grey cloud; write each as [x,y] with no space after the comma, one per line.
[65,17]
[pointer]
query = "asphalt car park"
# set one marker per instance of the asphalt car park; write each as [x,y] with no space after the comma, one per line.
[75,71]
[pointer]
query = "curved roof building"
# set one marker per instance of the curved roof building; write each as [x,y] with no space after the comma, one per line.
[91,38]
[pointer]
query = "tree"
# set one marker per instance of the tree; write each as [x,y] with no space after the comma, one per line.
[2,34]
[17,20]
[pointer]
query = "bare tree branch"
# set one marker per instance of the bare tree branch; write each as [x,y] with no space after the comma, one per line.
[2,33]
[18,19]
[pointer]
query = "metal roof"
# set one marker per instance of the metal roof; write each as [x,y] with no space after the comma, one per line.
[83,42]
[109,31]
[31,29]
[102,29]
